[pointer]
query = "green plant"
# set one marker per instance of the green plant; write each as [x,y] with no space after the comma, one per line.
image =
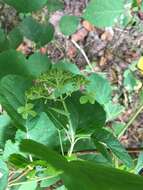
[53,112]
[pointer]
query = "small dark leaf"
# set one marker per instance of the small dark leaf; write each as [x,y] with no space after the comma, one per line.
[39,33]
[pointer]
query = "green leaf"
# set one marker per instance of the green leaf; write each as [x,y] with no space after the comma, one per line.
[10,148]
[12,96]
[100,87]
[85,175]
[103,13]
[3,41]
[7,131]
[14,38]
[118,128]
[71,21]
[112,143]
[95,158]
[131,83]
[39,33]
[3,175]
[18,160]
[38,64]
[66,65]
[41,151]
[93,115]
[113,110]
[28,185]
[49,182]
[94,176]
[103,150]
[54,5]
[26,5]
[43,131]
[12,62]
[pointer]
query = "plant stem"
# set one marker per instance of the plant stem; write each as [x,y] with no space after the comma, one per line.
[131,121]
[72,137]
[28,137]
[36,180]
[21,175]
[83,53]
[61,144]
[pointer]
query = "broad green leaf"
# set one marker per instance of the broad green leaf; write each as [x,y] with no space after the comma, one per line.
[94,176]
[84,144]
[7,131]
[3,41]
[103,150]
[131,83]
[93,115]
[12,40]
[103,13]
[2,36]
[3,175]
[28,185]
[12,62]
[104,136]
[68,24]
[43,152]
[38,64]
[100,87]
[18,160]
[43,131]
[39,33]
[12,96]
[118,128]
[113,110]
[66,65]
[26,5]
[54,5]
[48,182]
[10,148]
[59,120]
[95,158]
[85,175]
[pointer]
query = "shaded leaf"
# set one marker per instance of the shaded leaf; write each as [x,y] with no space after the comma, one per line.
[12,96]
[43,131]
[54,5]
[7,131]
[39,33]
[76,172]
[104,136]
[26,5]
[93,115]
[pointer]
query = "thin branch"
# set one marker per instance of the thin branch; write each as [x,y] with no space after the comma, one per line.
[21,175]
[131,121]
[83,53]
